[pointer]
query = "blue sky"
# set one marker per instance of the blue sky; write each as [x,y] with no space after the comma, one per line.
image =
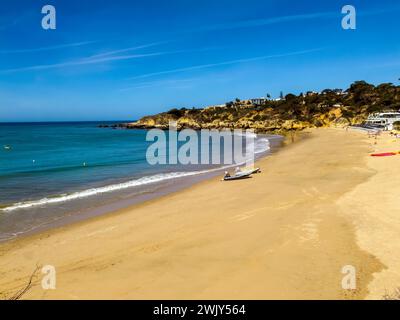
[110,60]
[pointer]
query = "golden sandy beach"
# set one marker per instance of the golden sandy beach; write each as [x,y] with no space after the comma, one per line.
[318,205]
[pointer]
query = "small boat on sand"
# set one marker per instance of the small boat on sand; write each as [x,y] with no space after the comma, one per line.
[240,174]
[237,176]
[251,171]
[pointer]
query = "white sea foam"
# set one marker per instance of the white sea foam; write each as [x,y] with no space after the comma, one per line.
[94,191]
[261,145]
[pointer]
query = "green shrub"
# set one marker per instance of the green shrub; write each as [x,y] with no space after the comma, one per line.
[396,125]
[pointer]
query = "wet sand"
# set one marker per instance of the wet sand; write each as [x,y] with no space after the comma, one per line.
[283,234]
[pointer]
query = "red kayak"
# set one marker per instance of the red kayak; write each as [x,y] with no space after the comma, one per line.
[384,154]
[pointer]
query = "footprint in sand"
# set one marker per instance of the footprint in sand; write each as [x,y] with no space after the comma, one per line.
[309,232]
[313,192]
[241,217]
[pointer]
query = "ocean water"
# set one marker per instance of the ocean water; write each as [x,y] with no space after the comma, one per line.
[57,172]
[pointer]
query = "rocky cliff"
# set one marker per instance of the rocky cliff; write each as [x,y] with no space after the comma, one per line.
[261,121]
[328,108]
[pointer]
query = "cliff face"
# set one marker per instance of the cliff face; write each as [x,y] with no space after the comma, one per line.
[266,120]
[328,108]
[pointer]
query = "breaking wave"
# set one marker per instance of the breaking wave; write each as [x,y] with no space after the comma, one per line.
[261,145]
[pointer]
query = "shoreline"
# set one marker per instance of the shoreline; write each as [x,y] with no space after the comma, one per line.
[278,235]
[101,204]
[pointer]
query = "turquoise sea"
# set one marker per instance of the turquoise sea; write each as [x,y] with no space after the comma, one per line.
[56,172]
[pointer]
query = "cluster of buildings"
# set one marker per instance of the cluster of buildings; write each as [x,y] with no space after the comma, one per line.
[262,100]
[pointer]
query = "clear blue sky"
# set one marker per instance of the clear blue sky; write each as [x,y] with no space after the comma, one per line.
[125,59]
